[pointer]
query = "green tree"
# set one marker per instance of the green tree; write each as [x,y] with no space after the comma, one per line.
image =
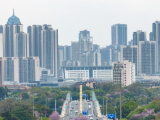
[126,108]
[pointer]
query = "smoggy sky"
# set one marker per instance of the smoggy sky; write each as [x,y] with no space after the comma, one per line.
[72,16]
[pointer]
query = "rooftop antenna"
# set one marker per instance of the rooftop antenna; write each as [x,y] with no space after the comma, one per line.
[13,11]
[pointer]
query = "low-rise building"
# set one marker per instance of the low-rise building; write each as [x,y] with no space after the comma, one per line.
[92,72]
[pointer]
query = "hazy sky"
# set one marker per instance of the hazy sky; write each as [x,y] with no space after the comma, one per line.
[72,16]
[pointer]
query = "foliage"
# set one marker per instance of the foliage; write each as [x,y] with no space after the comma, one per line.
[81,118]
[54,116]
[135,111]
[126,108]
[3,92]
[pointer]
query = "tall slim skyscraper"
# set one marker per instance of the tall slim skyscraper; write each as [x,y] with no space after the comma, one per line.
[12,27]
[119,34]
[1,71]
[85,43]
[130,53]
[21,45]
[1,45]
[50,50]
[156,37]
[33,69]
[36,41]
[75,51]
[147,57]
[139,36]
[67,53]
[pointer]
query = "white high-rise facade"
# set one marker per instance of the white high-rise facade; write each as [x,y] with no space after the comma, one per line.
[124,73]
[20,69]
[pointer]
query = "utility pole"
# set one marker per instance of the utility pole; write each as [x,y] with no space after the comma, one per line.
[115,111]
[33,106]
[106,109]
[55,105]
[120,96]
[103,106]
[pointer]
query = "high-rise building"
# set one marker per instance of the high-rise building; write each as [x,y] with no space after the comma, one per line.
[75,51]
[97,58]
[20,69]
[67,53]
[147,57]
[139,36]
[50,50]
[130,53]
[82,48]
[124,73]
[156,37]
[11,69]
[36,41]
[12,27]
[1,45]
[21,45]
[1,71]
[60,55]
[33,69]
[23,70]
[130,42]
[119,34]
[151,36]
[96,47]
[85,43]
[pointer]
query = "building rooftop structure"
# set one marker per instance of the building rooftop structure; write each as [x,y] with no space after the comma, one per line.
[14,20]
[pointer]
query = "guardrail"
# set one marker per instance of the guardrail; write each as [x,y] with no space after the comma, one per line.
[96,104]
[65,104]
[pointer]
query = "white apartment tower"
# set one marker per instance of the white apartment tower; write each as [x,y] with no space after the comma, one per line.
[124,73]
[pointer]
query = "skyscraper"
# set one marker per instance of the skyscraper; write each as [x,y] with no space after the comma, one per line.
[12,27]
[21,45]
[50,50]
[36,41]
[119,34]
[147,57]
[1,45]
[85,43]
[139,36]
[1,71]
[11,69]
[130,53]
[156,37]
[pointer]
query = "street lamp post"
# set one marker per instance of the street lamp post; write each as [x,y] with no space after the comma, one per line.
[106,108]
[103,105]
[120,97]
[55,105]
[33,106]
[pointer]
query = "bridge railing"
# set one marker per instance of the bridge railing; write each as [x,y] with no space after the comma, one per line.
[65,104]
[96,104]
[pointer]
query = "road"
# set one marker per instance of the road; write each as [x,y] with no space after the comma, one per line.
[72,110]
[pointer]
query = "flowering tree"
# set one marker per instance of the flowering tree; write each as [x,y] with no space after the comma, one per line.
[81,118]
[36,114]
[54,116]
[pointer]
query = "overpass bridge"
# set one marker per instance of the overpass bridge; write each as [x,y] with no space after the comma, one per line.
[72,109]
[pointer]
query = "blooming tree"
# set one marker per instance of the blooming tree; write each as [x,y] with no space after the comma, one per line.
[81,118]
[54,116]
[36,114]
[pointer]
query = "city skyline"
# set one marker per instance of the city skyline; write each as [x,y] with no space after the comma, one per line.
[70,17]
